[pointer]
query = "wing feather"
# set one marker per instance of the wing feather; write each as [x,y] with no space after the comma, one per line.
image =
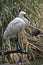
[14,27]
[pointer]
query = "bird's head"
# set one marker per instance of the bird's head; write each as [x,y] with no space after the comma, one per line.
[22,13]
[26,19]
[24,16]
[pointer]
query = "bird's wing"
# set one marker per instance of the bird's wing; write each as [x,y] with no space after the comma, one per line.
[15,26]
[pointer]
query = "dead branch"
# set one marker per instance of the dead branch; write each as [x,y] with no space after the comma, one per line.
[12,51]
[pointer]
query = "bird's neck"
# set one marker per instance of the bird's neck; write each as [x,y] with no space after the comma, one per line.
[25,20]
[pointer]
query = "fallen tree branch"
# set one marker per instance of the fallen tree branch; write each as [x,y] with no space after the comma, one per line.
[12,51]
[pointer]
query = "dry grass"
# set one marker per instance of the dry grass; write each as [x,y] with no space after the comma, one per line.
[9,9]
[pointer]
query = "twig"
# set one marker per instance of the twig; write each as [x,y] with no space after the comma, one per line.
[12,51]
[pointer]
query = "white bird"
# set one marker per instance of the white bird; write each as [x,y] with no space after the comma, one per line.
[16,25]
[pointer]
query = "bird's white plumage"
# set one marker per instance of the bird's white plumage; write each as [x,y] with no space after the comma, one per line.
[15,26]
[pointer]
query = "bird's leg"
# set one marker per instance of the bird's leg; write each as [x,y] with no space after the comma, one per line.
[16,41]
[18,46]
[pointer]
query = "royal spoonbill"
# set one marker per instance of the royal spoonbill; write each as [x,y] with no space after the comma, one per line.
[16,26]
